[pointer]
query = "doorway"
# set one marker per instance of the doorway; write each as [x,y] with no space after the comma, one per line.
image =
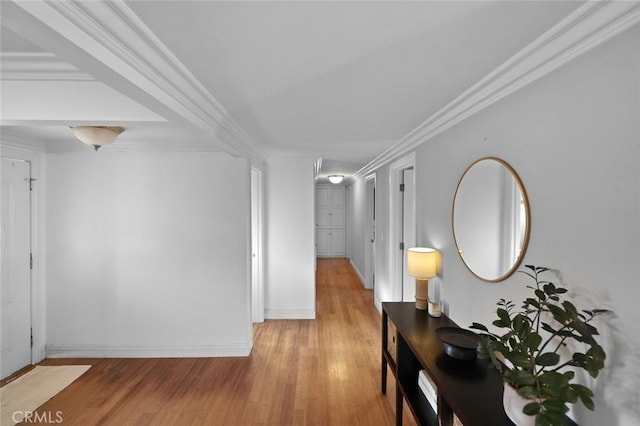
[408,231]
[402,227]
[16,262]
[370,233]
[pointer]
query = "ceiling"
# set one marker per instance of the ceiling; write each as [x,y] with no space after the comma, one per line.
[341,81]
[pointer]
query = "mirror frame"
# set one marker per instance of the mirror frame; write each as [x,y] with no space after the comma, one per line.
[527,231]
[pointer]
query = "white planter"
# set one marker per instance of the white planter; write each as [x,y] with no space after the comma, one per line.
[513,405]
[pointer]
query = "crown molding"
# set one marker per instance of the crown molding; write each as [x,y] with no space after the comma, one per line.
[13,141]
[38,66]
[115,36]
[587,27]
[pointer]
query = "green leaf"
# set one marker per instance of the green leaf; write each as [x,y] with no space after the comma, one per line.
[597,352]
[546,327]
[529,392]
[504,316]
[545,419]
[519,377]
[553,379]
[555,406]
[531,409]
[478,326]
[548,359]
[585,394]
[558,313]
[532,341]
[521,325]
[540,295]
[549,289]
[532,302]
[581,389]
[570,309]
[501,324]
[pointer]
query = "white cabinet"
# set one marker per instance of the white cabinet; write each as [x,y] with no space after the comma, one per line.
[330,220]
[330,242]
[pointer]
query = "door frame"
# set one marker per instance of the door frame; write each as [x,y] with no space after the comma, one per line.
[369,250]
[38,241]
[257,225]
[408,229]
[395,218]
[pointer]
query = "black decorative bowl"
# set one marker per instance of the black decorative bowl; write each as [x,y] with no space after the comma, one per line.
[459,343]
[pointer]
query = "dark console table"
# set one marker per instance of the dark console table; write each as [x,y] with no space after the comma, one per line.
[470,390]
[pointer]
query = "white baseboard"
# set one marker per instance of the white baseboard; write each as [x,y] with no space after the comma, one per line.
[378,304]
[289,314]
[149,351]
[360,276]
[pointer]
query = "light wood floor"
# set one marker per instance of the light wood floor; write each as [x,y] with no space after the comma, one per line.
[303,372]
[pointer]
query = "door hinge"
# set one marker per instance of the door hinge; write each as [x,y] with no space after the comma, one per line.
[401,246]
[30,260]
[402,187]
[31,336]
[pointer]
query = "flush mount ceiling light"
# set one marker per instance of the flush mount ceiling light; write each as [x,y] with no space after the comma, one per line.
[97,136]
[335,178]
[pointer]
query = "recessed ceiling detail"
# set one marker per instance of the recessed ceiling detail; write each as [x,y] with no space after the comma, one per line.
[41,66]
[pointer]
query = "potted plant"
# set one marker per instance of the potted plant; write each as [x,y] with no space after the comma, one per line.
[539,341]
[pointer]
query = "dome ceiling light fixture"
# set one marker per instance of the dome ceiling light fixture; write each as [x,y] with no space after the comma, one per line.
[97,136]
[335,178]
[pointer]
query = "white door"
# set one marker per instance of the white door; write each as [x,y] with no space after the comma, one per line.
[15,259]
[408,234]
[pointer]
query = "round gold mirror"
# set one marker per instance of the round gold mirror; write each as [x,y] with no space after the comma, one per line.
[491,219]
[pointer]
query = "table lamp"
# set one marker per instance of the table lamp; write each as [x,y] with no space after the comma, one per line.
[422,264]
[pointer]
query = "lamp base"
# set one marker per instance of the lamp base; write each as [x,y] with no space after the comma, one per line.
[422,294]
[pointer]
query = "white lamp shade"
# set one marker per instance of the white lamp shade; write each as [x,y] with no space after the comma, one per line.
[335,178]
[96,135]
[423,263]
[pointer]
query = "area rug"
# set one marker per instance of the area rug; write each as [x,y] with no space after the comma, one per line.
[30,391]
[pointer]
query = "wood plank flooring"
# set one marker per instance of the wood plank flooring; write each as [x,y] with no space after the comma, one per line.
[300,372]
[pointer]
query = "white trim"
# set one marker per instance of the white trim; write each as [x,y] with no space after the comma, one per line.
[113,35]
[587,27]
[274,314]
[347,221]
[370,250]
[239,350]
[395,255]
[378,305]
[16,142]
[357,271]
[38,66]
[259,292]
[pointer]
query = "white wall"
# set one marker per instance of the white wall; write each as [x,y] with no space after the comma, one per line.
[148,255]
[574,139]
[290,291]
